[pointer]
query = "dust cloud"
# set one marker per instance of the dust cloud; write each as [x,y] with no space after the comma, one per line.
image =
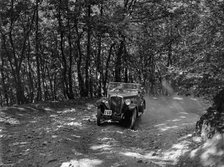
[170,108]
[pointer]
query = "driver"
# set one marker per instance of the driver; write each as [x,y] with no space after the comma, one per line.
[118,88]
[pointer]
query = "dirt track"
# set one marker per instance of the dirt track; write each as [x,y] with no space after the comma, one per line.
[66,135]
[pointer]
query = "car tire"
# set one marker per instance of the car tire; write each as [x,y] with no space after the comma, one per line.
[139,113]
[133,119]
[98,116]
[122,122]
[125,122]
[144,107]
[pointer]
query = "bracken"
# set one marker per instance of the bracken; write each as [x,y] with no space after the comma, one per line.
[212,121]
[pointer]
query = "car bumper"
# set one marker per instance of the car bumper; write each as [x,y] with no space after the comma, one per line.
[112,117]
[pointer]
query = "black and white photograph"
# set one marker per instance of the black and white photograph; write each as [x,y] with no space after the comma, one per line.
[111,83]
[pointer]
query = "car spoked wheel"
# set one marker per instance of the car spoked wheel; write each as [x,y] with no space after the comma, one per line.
[98,116]
[133,119]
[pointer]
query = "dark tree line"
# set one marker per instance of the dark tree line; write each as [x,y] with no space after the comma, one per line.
[63,49]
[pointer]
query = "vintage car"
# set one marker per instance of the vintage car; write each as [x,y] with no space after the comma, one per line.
[124,103]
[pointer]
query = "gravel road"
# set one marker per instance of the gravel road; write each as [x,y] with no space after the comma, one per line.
[52,134]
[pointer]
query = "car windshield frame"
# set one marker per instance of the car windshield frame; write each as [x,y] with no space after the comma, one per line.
[123,87]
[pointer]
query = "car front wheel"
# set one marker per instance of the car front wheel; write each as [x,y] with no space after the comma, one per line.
[133,119]
[98,116]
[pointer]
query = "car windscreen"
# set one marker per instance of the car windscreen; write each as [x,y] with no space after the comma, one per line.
[113,86]
[127,87]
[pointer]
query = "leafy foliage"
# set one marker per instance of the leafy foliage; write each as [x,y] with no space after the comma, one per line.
[66,49]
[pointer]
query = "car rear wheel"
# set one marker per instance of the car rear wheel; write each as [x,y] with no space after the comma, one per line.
[144,107]
[98,116]
[133,119]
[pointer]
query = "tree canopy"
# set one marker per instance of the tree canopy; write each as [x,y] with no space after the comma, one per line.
[55,50]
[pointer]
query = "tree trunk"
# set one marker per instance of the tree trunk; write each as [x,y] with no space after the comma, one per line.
[43,78]
[70,91]
[3,78]
[169,60]
[118,62]
[80,78]
[64,62]
[99,68]
[31,86]
[79,64]
[55,89]
[107,68]
[69,37]
[152,77]
[88,50]
[50,78]
[39,91]
[20,97]
[125,65]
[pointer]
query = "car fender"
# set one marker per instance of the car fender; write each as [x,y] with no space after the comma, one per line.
[103,103]
[131,107]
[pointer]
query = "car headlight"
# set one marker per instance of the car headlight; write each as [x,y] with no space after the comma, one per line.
[127,101]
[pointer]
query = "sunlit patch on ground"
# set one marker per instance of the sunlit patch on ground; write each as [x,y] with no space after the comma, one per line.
[19,143]
[65,121]
[53,116]
[160,125]
[90,106]
[174,120]
[177,98]
[194,99]
[104,144]
[66,111]
[33,121]
[75,152]
[163,157]
[21,109]
[211,153]
[7,119]
[89,118]
[184,113]
[102,147]
[120,132]
[185,137]
[21,115]
[108,130]
[105,139]
[71,119]
[165,127]
[168,128]
[197,139]
[1,134]
[48,130]
[76,136]
[54,136]
[78,124]
[48,109]
[82,163]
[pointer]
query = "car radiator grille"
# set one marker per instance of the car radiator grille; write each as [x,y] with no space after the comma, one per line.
[116,104]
